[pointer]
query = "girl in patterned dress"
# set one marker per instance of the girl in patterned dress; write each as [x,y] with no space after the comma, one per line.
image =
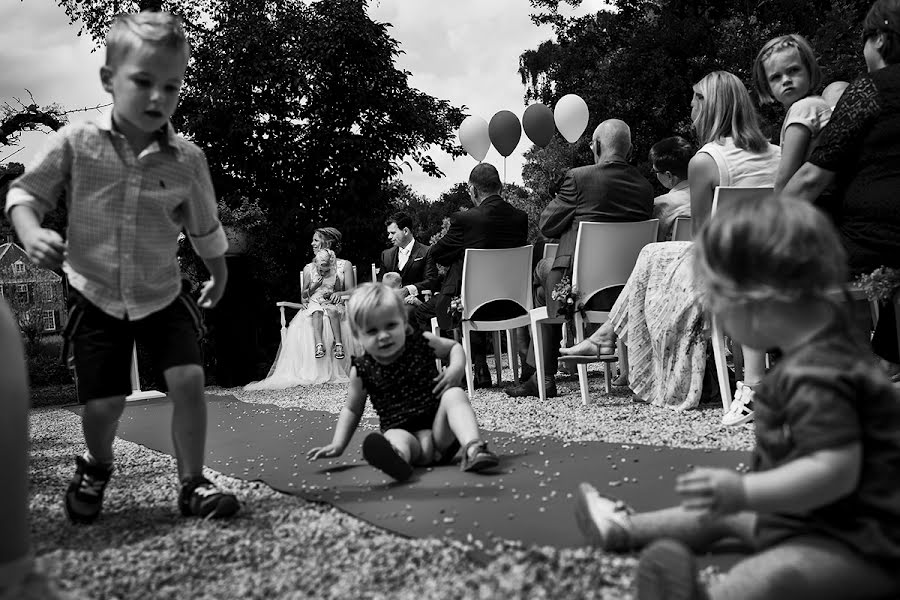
[425,415]
[320,285]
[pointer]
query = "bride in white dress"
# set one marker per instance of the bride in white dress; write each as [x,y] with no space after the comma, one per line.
[296,363]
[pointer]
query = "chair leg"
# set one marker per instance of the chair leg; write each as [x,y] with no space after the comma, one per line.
[436,330]
[513,351]
[582,369]
[718,344]
[537,339]
[498,356]
[467,347]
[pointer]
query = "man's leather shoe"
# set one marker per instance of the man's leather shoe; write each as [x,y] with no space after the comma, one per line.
[530,388]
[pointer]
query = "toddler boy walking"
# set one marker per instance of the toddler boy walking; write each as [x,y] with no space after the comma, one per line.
[132,186]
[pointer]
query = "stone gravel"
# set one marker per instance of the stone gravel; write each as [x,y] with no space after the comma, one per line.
[281,546]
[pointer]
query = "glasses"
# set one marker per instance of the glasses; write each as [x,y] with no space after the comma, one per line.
[656,171]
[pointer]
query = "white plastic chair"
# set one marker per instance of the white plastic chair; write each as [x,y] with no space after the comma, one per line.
[722,198]
[605,254]
[681,230]
[550,250]
[489,275]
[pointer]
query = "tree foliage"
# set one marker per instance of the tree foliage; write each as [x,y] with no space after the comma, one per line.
[639,61]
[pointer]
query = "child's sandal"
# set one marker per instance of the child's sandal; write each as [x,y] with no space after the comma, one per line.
[320,350]
[338,350]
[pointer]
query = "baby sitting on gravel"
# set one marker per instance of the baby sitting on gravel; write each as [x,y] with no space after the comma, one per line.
[425,416]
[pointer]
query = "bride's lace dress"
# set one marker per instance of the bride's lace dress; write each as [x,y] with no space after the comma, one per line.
[296,364]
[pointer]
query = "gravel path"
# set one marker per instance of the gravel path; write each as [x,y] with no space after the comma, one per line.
[284,547]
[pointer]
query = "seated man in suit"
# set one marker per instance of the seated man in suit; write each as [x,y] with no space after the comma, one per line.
[408,257]
[609,190]
[492,223]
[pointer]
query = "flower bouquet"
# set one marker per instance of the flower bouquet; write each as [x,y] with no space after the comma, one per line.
[569,303]
[880,284]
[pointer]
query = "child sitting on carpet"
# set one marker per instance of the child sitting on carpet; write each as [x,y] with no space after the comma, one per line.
[131,186]
[424,415]
[821,508]
[20,578]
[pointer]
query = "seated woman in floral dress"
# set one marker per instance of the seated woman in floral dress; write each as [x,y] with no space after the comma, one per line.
[319,325]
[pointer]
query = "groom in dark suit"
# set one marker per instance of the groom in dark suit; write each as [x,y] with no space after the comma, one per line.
[408,257]
[492,223]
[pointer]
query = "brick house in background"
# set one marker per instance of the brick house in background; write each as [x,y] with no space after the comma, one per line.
[32,291]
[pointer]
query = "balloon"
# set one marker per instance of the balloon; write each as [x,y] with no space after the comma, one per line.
[571,116]
[473,135]
[505,132]
[538,124]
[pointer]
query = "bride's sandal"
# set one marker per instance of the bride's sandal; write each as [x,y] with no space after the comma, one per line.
[338,350]
[320,350]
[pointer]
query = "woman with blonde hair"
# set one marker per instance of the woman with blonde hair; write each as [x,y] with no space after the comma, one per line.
[658,316]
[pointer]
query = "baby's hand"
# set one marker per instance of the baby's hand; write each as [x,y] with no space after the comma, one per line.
[45,247]
[210,293]
[714,491]
[329,451]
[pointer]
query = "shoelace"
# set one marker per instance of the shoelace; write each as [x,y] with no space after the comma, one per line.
[91,486]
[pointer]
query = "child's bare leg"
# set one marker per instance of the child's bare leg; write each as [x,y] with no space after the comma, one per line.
[405,443]
[455,419]
[334,318]
[692,528]
[426,445]
[14,530]
[99,422]
[185,383]
[806,568]
[317,327]
[754,365]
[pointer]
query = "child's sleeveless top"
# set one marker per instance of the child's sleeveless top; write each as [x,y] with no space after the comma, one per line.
[401,391]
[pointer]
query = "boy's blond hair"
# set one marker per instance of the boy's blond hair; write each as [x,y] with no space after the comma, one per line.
[131,30]
[369,297]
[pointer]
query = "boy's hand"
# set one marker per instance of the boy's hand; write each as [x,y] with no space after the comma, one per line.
[45,247]
[715,491]
[329,451]
[210,293]
[446,379]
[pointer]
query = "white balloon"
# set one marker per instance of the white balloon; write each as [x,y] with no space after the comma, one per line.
[474,137]
[571,117]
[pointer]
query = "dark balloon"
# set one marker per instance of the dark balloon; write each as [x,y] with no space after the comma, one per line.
[538,124]
[505,132]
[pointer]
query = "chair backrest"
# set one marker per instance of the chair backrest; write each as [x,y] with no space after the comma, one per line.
[496,274]
[550,250]
[681,230]
[605,254]
[725,196]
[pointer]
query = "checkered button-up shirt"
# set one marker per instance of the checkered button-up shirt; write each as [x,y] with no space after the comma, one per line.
[125,212]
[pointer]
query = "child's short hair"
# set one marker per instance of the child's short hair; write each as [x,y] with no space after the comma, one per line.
[130,30]
[768,249]
[368,297]
[672,154]
[392,280]
[791,40]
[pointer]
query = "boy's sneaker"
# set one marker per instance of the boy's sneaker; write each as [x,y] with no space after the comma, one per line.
[84,497]
[667,571]
[378,451]
[476,457]
[200,498]
[602,520]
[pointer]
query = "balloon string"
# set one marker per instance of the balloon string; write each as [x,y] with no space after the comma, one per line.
[504,169]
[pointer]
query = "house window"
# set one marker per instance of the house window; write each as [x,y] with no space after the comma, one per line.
[18,268]
[49,320]
[49,292]
[22,293]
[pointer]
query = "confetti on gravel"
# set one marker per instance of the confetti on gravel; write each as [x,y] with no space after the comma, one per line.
[283,547]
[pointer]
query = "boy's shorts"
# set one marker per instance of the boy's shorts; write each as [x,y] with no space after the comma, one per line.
[102,344]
